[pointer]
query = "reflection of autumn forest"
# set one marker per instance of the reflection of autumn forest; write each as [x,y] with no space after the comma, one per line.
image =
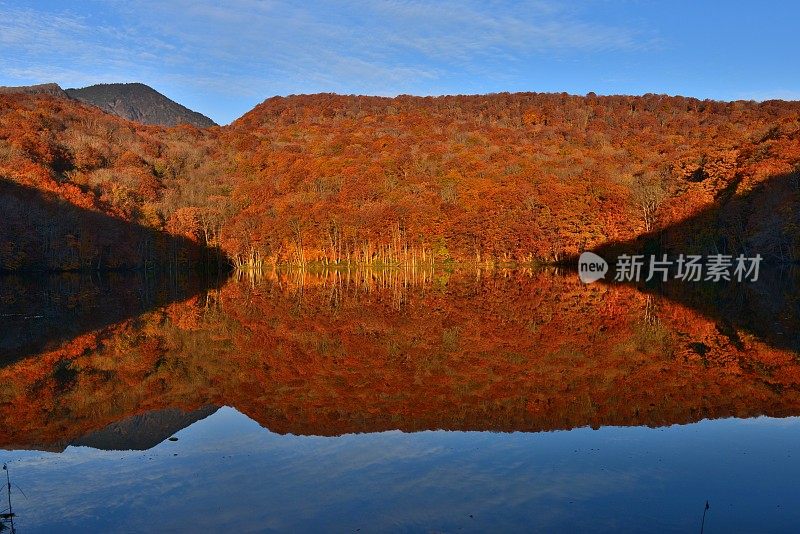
[370,351]
[369,184]
[409,180]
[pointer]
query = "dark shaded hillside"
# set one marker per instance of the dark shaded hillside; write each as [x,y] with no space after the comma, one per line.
[140,103]
[83,189]
[41,232]
[759,219]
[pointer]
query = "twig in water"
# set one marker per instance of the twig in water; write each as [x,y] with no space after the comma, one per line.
[703,524]
[8,489]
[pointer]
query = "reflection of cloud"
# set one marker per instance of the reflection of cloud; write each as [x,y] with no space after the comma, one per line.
[280,47]
[230,474]
[230,468]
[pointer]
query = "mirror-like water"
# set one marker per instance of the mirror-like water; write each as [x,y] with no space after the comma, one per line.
[400,401]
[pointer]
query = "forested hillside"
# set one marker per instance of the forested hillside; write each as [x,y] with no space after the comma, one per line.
[82,189]
[495,178]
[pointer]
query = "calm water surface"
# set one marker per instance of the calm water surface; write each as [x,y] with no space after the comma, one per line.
[398,402]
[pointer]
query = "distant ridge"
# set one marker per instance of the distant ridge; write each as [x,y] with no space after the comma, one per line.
[52,89]
[133,101]
[139,102]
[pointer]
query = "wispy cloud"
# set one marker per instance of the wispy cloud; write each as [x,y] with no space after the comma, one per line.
[458,30]
[249,48]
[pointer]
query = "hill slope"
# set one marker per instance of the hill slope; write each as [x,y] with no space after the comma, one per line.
[84,189]
[503,177]
[485,178]
[140,103]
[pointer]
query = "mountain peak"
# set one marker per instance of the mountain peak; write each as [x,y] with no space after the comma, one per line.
[139,102]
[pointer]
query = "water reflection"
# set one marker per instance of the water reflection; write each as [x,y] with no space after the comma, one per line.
[40,312]
[228,473]
[367,352]
[364,354]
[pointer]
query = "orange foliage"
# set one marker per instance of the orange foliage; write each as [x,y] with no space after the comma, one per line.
[367,352]
[348,179]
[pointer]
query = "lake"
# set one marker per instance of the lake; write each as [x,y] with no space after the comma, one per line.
[398,401]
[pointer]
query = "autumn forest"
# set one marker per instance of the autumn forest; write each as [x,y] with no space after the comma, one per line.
[327,180]
[468,207]
[399,266]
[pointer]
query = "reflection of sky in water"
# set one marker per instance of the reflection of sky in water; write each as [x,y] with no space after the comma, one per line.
[231,473]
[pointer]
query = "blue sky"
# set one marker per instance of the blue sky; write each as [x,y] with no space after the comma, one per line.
[222,58]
